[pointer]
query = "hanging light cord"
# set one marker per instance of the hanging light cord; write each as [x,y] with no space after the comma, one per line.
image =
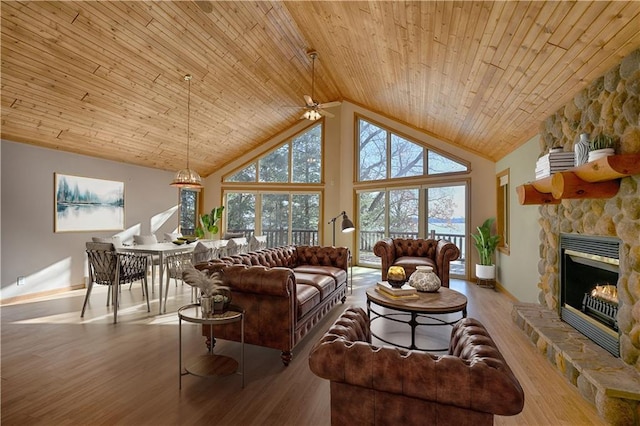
[188,78]
[313,75]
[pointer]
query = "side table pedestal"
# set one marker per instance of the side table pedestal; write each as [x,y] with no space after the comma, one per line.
[210,365]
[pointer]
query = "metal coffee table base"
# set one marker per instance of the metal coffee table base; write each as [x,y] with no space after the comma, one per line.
[413,322]
[420,311]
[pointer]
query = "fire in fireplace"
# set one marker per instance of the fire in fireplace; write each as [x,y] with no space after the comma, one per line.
[589,272]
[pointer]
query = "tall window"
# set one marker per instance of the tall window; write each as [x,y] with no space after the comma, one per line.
[298,160]
[418,192]
[502,220]
[286,216]
[188,211]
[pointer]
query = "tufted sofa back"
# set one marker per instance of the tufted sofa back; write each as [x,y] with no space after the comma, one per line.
[415,247]
[292,256]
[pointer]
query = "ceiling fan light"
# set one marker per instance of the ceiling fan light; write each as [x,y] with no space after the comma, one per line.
[312,115]
[187,178]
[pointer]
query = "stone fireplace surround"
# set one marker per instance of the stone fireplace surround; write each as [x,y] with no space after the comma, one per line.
[611,105]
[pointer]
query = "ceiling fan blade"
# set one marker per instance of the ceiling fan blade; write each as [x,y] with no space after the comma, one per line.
[308,100]
[330,104]
[326,114]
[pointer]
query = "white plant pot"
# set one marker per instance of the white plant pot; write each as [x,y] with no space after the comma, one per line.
[486,272]
[599,153]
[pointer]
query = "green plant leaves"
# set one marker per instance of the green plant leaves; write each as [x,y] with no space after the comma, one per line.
[486,243]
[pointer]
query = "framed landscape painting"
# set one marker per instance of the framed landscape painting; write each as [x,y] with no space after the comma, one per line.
[87,204]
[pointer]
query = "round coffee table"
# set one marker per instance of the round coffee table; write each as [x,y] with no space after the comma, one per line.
[444,301]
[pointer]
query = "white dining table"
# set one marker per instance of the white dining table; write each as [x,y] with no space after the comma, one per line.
[161,250]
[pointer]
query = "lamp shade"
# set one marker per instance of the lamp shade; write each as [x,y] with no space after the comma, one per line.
[347,225]
[187,178]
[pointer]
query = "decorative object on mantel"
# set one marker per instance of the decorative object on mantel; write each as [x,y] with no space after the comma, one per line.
[601,146]
[211,290]
[553,162]
[581,150]
[595,179]
[424,279]
[187,178]
[396,276]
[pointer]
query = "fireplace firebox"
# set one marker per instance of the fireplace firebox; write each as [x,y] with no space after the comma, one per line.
[589,271]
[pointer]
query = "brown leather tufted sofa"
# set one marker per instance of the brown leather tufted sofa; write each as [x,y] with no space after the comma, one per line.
[410,253]
[285,292]
[389,386]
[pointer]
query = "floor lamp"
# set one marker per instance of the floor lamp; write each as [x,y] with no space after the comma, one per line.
[347,225]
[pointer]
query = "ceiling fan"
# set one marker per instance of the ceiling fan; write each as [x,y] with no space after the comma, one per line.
[313,109]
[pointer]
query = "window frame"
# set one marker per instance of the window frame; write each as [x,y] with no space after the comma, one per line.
[503,210]
[425,155]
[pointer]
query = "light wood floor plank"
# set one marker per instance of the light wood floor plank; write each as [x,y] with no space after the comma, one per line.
[60,369]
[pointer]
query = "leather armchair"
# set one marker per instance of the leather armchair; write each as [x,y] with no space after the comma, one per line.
[467,386]
[410,253]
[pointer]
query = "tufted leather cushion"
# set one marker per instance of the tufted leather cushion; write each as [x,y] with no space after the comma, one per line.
[409,253]
[473,381]
[324,283]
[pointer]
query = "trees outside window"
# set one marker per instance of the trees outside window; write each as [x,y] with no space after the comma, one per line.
[298,160]
[418,191]
[306,155]
[274,167]
[188,211]
[384,155]
[286,216]
[240,212]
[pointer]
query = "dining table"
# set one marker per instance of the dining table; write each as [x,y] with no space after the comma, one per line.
[161,250]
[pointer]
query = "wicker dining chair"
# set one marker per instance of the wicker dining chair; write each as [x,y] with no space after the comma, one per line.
[176,263]
[108,267]
[154,259]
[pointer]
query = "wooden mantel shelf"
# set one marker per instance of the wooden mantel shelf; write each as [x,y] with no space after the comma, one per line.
[595,179]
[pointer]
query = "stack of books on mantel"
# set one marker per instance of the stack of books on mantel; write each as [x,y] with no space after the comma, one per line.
[554,162]
[404,292]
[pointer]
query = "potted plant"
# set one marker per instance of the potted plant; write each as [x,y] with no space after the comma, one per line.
[601,146]
[486,244]
[214,295]
[209,223]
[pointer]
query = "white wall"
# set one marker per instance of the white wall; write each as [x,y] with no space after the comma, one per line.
[518,271]
[52,261]
[340,165]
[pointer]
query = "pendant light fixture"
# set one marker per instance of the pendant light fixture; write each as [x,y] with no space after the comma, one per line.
[187,178]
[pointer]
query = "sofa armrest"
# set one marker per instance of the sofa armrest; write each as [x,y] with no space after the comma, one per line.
[446,252]
[323,256]
[481,382]
[386,251]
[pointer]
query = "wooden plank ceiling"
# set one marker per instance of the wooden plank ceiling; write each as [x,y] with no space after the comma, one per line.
[106,78]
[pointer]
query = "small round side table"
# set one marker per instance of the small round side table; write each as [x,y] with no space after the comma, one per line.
[210,365]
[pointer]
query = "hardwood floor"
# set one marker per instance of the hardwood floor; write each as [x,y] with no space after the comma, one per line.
[60,369]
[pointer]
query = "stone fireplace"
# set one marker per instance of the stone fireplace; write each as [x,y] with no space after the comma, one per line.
[609,105]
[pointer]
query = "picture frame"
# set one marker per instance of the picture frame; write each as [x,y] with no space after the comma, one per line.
[85,204]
